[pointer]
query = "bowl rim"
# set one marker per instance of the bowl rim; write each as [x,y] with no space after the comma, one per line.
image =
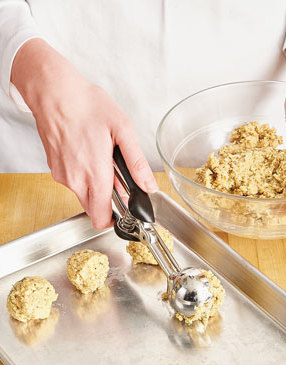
[174,170]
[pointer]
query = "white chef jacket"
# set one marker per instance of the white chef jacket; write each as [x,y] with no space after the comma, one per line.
[147,54]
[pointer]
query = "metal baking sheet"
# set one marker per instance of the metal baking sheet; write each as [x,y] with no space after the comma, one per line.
[128,323]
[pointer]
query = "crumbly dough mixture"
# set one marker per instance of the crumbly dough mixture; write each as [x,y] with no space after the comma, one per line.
[251,166]
[87,270]
[141,254]
[31,298]
[211,307]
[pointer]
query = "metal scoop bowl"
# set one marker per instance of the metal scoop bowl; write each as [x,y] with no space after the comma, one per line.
[189,289]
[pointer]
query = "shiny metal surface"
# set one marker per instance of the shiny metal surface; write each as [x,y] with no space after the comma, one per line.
[128,323]
[37,246]
[187,290]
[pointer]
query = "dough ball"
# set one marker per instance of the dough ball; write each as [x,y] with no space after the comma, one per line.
[31,298]
[141,253]
[203,313]
[87,270]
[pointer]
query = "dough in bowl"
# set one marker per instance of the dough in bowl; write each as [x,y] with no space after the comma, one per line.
[31,298]
[87,270]
[251,166]
[141,254]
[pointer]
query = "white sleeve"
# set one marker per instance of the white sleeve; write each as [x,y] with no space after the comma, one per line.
[16,27]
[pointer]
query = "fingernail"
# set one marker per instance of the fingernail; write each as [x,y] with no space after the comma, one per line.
[151,186]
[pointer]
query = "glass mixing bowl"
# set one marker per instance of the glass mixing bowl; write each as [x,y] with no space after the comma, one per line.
[201,124]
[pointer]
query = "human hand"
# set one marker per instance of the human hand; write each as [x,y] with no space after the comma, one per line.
[79,124]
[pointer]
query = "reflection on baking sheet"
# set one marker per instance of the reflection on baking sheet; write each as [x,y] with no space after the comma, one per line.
[90,306]
[35,331]
[196,335]
[146,274]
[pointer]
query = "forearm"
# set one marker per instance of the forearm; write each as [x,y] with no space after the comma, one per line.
[36,68]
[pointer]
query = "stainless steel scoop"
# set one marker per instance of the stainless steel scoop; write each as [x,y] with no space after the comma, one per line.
[187,288]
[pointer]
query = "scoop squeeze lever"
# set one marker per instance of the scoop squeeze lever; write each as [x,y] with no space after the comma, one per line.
[139,203]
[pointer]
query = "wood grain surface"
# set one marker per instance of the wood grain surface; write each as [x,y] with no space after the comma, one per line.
[29,202]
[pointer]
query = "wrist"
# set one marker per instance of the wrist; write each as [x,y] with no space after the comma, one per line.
[35,67]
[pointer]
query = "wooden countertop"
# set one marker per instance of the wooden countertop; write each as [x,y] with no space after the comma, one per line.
[29,202]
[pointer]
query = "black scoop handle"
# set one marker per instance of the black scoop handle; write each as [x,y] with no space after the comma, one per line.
[139,203]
